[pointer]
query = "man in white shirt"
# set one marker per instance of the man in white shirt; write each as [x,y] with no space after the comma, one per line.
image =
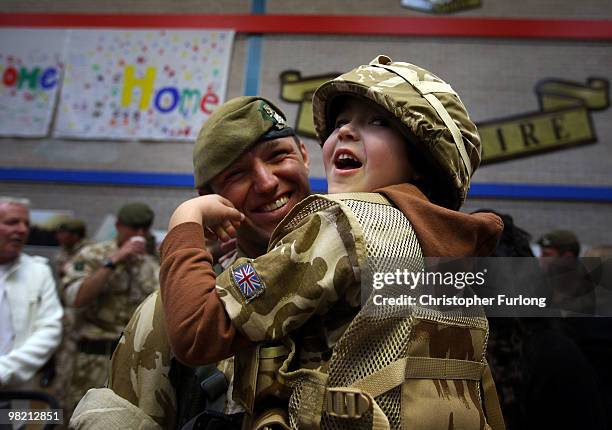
[30,312]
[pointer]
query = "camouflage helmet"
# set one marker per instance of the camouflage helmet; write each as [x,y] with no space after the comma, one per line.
[430,114]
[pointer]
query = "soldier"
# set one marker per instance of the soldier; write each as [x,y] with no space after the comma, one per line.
[145,382]
[106,282]
[400,130]
[559,243]
[70,235]
[569,286]
[71,239]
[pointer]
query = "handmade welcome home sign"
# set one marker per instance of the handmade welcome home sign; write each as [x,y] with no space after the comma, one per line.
[30,75]
[142,84]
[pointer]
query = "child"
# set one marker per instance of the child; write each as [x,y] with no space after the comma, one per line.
[396,129]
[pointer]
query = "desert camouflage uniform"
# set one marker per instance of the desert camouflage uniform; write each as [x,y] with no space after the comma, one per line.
[66,353]
[64,256]
[105,318]
[140,373]
[314,267]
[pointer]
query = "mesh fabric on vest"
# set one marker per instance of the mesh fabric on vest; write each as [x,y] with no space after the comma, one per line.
[377,336]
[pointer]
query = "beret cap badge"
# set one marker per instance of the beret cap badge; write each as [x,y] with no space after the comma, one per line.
[269,114]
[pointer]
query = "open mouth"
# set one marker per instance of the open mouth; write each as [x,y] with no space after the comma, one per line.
[346,161]
[275,205]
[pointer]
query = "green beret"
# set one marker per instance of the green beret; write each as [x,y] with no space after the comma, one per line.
[561,239]
[72,225]
[135,215]
[232,129]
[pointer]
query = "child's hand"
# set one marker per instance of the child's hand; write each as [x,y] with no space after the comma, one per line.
[215,213]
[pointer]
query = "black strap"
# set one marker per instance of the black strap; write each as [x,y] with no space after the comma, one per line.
[97,347]
[211,420]
[198,390]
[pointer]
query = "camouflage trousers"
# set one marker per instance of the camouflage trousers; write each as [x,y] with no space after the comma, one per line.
[65,357]
[90,371]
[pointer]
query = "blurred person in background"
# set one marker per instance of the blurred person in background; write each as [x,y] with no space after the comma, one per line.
[71,237]
[107,281]
[30,311]
[569,286]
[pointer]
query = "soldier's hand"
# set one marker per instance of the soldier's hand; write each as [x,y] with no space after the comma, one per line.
[132,247]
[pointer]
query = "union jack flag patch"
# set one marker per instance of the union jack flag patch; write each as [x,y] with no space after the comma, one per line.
[248,281]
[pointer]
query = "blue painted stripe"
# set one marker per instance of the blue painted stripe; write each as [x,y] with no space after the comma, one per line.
[253,63]
[253,66]
[109,177]
[541,192]
[93,177]
[258,7]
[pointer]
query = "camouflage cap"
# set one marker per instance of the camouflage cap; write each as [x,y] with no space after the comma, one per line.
[135,215]
[559,239]
[429,112]
[233,128]
[72,225]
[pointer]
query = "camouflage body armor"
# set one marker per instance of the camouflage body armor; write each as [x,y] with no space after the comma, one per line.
[411,367]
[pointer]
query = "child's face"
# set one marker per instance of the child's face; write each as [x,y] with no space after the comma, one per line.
[364,152]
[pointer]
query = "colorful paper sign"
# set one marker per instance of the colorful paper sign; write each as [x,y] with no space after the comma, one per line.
[142,84]
[30,75]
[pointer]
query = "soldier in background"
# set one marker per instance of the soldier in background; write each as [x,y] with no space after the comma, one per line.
[70,236]
[57,373]
[569,286]
[107,281]
[559,243]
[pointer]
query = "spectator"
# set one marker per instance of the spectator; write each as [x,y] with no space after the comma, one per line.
[569,286]
[30,312]
[108,280]
[71,238]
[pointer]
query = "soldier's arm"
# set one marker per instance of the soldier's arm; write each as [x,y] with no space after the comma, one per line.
[140,365]
[305,274]
[91,279]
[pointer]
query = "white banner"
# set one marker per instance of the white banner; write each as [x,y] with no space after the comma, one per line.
[31,71]
[142,84]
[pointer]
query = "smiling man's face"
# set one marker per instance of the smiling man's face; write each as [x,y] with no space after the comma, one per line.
[14,230]
[265,183]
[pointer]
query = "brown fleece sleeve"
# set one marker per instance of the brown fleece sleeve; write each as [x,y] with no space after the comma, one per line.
[199,329]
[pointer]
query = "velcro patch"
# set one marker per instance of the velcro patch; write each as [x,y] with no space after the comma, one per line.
[248,281]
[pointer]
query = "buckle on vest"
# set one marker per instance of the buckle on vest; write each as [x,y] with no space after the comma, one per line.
[346,403]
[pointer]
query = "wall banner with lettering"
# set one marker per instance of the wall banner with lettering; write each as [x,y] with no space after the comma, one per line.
[563,121]
[30,74]
[142,84]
